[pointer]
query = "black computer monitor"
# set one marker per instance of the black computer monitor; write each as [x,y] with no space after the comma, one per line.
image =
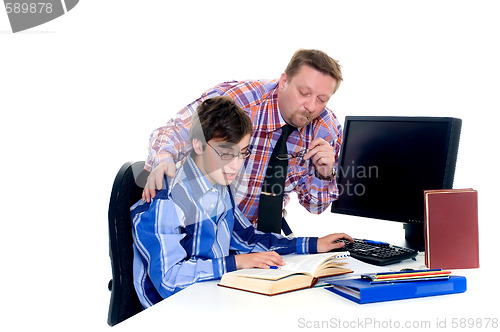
[386,163]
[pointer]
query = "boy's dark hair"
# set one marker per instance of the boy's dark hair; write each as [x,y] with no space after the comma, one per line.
[220,118]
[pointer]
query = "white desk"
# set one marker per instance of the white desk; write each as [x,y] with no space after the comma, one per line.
[204,304]
[207,306]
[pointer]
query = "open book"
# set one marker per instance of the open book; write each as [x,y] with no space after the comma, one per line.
[300,271]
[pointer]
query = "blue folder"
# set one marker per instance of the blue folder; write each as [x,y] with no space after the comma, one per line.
[363,291]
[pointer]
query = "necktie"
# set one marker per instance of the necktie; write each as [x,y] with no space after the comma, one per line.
[273,187]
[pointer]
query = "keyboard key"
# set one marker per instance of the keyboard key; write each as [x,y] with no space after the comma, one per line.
[377,254]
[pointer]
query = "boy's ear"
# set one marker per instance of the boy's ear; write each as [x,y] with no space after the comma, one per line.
[197,146]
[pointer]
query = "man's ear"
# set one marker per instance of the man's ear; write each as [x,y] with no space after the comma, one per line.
[197,146]
[282,80]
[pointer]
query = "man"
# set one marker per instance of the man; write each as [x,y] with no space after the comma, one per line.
[299,99]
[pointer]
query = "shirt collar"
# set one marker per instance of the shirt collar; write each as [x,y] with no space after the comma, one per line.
[274,119]
[197,181]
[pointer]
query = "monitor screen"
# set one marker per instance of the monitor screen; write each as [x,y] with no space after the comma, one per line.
[386,163]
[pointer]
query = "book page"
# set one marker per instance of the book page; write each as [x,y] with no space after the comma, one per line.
[295,264]
[268,274]
[307,262]
[359,268]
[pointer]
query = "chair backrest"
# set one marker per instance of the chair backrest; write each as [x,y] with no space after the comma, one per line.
[127,190]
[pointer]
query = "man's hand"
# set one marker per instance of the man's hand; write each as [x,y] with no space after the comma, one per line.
[155,179]
[322,156]
[326,243]
[261,260]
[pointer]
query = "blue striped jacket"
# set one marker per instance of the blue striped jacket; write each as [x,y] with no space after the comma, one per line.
[190,232]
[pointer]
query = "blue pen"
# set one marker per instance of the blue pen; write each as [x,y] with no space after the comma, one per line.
[375,242]
[273,267]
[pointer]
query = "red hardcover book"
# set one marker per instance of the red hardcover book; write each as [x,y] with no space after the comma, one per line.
[451,229]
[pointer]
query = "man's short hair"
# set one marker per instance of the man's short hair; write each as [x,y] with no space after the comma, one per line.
[220,118]
[319,60]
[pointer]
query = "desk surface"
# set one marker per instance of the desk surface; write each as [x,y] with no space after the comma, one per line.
[203,304]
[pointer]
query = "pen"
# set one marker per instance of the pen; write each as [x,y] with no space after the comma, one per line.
[408,275]
[389,281]
[273,267]
[375,242]
[408,272]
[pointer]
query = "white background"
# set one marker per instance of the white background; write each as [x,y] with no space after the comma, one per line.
[80,95]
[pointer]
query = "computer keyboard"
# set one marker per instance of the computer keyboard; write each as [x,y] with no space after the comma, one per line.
[377,253]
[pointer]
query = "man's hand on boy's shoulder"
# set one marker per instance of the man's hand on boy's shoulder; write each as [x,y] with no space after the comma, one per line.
[155,179]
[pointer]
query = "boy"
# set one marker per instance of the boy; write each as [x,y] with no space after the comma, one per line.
[192,231]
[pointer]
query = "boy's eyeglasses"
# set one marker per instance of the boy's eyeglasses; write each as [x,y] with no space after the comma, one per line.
[287,156]
[230,156]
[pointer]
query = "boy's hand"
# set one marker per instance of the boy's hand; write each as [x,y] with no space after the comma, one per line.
[155,179]
[262,260]
[326,243]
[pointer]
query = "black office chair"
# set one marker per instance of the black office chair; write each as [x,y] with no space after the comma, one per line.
[127,189]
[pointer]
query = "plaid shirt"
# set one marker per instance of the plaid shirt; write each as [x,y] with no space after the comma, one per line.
[259,99]
[191,233]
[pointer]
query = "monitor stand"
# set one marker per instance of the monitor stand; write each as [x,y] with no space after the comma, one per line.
[414,235]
